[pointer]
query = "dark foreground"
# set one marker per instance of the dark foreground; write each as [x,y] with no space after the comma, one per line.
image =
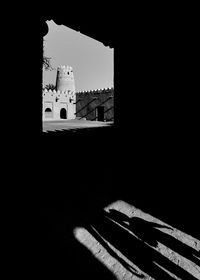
[66,179]
[91,169]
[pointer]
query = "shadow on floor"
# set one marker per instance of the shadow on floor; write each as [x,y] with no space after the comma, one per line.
[149,232]
[146,258]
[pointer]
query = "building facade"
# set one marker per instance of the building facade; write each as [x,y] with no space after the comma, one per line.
[66,103]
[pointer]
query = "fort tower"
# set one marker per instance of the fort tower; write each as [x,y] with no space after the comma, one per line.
[65,79]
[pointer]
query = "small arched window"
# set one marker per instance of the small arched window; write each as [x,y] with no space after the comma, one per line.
[48,110]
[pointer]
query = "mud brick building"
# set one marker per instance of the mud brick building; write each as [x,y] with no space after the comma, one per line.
[95,104]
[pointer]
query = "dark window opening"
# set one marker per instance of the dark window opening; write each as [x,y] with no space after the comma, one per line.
[48,110]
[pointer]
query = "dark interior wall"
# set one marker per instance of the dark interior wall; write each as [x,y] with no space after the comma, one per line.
[154,152]
[153,97]
[155,110]
[154,91]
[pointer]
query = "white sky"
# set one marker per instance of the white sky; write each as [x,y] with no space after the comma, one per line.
[92,62]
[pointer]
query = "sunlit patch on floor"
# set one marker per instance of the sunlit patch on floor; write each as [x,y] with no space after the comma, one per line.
[120,263]
[85,238]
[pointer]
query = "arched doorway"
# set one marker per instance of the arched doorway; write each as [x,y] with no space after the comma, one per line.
[63,113]
[48,113]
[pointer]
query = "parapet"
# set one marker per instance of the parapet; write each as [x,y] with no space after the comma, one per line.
[56,95]
[109,91]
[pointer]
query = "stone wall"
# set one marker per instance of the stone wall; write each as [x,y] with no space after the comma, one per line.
[95,104]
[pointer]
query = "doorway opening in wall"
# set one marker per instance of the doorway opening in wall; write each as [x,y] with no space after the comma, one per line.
[63,113]
[77,68]
[100,113]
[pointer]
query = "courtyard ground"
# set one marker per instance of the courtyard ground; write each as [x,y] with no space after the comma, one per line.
[60,125]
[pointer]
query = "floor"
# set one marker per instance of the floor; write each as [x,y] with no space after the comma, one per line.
[59,125]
